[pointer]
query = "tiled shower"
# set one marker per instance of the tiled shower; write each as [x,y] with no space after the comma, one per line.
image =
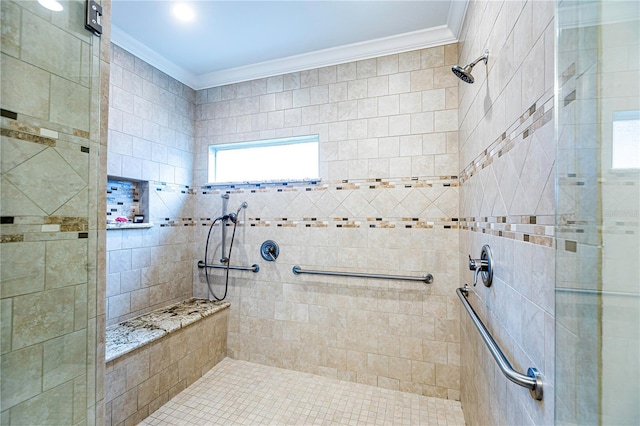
[418,171]
[388,204]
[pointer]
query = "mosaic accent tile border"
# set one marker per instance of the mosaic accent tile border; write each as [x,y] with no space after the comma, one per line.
[417,223]
[341,185]
[537,230]
[179,221]
[17,238]
[163,187]
[346,184]
[345,222]
[16,229]
[170,187]
[24,136]
[39,131]
[123,199]
[534,118]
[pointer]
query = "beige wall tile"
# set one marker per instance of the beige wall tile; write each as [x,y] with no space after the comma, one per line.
[66,263]
[11,18]
[47,179]
[51,406]
[64,359]
[50,48]
[29,91]
[423,372]
[21,375]
[22,268]
[41,316]
[148,390]
[497,191]
[124,406]
[69,103]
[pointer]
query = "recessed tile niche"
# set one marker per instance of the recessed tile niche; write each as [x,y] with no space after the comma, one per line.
[127,198]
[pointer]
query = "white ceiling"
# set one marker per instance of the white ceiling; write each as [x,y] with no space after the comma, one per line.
[233,41]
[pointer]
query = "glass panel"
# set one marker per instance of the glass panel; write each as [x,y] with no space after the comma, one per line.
[50,144]
[598,213]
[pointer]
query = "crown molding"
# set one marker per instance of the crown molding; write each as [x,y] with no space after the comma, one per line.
[414,40]
[338,55]
[457,12]
[150,56]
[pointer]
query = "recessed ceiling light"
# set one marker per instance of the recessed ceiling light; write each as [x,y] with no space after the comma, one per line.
[183,12]
[51,5]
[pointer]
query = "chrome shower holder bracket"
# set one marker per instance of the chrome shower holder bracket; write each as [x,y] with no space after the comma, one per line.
[482,266]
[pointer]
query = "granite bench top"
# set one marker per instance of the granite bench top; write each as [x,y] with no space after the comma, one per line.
[131,334]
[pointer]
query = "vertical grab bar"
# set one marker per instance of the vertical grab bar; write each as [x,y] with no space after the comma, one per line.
[533,379]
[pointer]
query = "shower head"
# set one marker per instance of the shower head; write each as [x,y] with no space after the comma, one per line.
[244,205]
[233,217]
[464,73]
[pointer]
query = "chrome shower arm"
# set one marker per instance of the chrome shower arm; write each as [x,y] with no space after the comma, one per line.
[484,58]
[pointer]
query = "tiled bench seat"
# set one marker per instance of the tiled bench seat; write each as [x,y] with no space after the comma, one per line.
[153,357]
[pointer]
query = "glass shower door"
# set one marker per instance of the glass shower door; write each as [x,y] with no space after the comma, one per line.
[598,213]
[49,150]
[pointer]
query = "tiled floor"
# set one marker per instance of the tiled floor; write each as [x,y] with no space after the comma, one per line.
[240,392]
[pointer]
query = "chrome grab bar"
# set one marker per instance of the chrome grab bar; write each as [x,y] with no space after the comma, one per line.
[533,379]
[426,278]
[253,268]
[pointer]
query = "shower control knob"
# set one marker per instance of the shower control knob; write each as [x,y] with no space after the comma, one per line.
[269,251]
[482,266]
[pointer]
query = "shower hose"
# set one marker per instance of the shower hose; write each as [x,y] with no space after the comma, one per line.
[206,256]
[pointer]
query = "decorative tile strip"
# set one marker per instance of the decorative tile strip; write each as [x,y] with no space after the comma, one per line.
[81,133]
[45,128]
[340,185]
[68,224]
[22,127]
[14,238]
[42,228]
[539,230]
[178,221]
[24,136]
[123,199]
[171,187]
[526,125]
[358,222]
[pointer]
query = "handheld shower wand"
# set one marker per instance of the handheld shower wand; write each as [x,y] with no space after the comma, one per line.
[233,217]
[226,259]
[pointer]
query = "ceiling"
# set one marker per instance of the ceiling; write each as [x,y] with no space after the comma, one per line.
[233,41]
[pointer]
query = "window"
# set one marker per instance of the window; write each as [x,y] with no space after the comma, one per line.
[268,160]
[626,140]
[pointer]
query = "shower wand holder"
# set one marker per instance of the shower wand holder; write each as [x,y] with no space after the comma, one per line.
[482,267]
